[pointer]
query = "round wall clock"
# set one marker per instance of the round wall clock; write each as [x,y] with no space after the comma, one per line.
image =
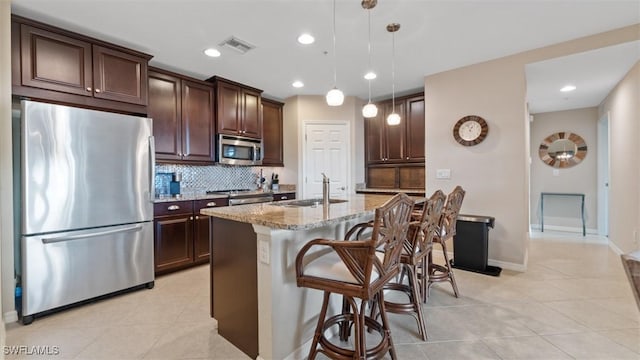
[470,130]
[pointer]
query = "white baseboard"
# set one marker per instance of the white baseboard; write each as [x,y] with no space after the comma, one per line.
[10,317]
[565,229]
[615,248]
[507,265]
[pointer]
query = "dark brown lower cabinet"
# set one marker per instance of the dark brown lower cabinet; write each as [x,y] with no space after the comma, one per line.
[181,234]
[396,176]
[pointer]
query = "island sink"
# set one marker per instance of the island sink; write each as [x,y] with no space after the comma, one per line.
[307,202]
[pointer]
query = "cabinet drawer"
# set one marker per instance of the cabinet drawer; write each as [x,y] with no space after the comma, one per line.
[205,203]
[173,208]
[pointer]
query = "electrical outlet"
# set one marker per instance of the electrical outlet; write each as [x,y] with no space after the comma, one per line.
[443,174]
[263,252]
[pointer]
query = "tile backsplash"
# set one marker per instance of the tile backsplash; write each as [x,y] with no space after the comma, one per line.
[198,179]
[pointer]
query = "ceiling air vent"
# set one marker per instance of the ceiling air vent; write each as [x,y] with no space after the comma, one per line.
[238,45]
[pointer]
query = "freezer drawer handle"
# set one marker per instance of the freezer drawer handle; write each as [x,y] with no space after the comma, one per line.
[95,234]
[213,203]
[173,207]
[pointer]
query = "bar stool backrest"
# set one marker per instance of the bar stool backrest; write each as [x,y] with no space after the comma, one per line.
[390,228]
[450,213]
[420,237]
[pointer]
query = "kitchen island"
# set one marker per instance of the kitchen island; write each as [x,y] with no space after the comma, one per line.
[254,296]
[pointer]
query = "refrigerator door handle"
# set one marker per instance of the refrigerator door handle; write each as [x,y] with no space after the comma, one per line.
[152,168]
[133,228]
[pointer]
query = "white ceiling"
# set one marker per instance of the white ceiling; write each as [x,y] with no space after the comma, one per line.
[435,35]
[593,73]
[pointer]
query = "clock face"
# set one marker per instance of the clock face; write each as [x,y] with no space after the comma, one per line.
[470,130]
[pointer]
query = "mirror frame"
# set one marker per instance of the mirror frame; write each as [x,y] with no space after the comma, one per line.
[581,153]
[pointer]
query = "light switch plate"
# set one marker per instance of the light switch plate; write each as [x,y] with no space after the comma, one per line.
[263,252]
[443,174]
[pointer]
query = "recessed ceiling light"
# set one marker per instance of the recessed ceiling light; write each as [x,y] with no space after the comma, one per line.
[370,75]
[306,39]
[297,84]
[568,88]
[212,52]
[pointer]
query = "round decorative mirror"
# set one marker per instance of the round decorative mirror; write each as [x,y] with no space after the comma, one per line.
[562,150]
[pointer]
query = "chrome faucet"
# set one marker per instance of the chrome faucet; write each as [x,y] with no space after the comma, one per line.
[325,190]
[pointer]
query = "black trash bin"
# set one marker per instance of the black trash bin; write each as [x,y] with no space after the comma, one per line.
[471,244]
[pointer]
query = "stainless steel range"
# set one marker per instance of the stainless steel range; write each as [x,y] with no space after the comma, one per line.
[245,196]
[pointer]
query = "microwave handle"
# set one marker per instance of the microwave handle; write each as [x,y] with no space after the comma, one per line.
[255,153]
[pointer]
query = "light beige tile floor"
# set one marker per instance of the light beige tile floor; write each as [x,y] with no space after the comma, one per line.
[574,302]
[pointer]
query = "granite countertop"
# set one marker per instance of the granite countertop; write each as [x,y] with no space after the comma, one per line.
[279,216]
[188,197]
[389,191]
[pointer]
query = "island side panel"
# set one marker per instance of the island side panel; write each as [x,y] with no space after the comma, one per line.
[289,314]
[234,283]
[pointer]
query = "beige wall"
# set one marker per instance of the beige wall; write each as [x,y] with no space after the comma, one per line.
[299,109]
[623,107]
[492,172]
[7,308]
[564,213]
[495,173]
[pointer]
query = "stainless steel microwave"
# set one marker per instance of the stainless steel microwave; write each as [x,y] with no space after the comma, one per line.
[238,150]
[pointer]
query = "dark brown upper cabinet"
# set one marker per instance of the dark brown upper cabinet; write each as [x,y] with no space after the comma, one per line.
[182,113]
[238,108]
[56,65]
[391,144]
[272,127]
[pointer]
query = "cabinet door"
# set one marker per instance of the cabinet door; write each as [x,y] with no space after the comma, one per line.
[394,134]
[229,98]
[119,76]
[165,110]
[197,122]
[272,134]
[415,129]
[173,242]
[251,114]
[55,62]
[201,239]
[373,129]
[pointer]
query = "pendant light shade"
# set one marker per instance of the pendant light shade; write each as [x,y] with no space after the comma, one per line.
[370,110]
[393,118]
[334,97]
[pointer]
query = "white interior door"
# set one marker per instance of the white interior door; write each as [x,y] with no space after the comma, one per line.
[326,151]
[603,175]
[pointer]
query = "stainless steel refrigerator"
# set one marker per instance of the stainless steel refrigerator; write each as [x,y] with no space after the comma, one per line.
[87,187]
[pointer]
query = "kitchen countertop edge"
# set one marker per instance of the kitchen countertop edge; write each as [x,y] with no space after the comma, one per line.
[208,196]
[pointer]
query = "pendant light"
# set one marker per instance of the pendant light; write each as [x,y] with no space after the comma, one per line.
[334,97]
[393,118]
[370,110]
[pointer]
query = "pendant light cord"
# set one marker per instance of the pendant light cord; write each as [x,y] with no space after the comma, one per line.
[369,49]
[393,72]
[335,62]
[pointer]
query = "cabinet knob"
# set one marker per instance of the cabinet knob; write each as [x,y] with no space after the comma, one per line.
[89,88]
[407,158]
[197,217]
[283,198]
[213,203]
[173,207]
[190,217]
[97,90]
